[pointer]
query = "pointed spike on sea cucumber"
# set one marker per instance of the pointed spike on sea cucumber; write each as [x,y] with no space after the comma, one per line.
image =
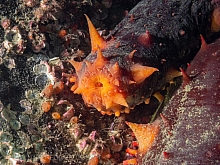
[108,103]
[120,100]
[76,65]
[186,77]
[117,45]
[115,68]
[158,96]
[147,101]
[204,44]
[131,82]
[166,155]
[171,74]
[77,90]
[116,82]
[166,121]
[188,64]
[74,87]
[145,134]
[88,64]
[117,113]
[103,112]
[140,72]
[131,55]
[100,59]
[127,110]
[96,40]
[145,39]
[73,79]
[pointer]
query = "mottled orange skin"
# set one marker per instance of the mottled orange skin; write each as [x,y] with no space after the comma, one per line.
[99,84]
[103,85]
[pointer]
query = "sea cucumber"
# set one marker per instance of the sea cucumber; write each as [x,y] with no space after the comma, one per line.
[193,133]
[130,65]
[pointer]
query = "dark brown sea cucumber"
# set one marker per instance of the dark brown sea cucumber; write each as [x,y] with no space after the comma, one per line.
[130,65]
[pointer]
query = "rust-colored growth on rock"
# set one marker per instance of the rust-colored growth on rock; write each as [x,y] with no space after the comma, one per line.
[48,91]
[58,87]
[93,161]
[46,106]
[145,134]
[45,158]
[130,162]
[131,151]
[56,116]
[62,33]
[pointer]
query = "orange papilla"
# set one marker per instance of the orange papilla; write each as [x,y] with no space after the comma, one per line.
[73,79]
[93,161]
[48,90]
[130,162]
[135,143]
[131,151]
[62,33]
[56,116]
[74,120]
[58,87]
[46,106]
[45,159]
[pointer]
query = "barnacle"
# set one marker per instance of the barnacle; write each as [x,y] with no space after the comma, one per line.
[5,137]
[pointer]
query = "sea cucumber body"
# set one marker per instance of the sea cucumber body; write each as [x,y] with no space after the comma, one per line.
[164,34]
